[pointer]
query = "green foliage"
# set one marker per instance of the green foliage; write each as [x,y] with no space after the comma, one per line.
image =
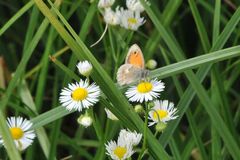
[194,43]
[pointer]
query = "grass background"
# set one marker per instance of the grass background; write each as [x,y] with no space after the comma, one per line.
[195,43]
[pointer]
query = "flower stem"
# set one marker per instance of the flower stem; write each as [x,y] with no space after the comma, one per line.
[96,128]
[104,32]
[144,146]
[156,134]
[88,80]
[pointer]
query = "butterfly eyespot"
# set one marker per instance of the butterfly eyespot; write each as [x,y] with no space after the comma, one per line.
[135,52]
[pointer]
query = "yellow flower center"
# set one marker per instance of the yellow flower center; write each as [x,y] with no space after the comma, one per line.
[160,114]
[79,94]
[17,133]
[132,21]
[120,152]
[144,87]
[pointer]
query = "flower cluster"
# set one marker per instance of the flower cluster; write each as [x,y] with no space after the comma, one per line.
[123,148]
[127,18]
[21,132]
[148,91]
[81,95]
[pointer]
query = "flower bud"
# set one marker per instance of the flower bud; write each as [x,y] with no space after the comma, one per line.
[105,3]
[160,126]
[85,120]
[151,64]
[84,68]
[135,5]
[139,108]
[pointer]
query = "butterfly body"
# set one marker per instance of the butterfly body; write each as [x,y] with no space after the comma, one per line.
[134,67]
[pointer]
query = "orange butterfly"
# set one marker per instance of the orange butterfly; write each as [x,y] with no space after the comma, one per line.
[134,67]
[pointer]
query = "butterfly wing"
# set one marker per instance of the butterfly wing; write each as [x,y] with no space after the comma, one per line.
[128,73]
[133,69]
[135,57]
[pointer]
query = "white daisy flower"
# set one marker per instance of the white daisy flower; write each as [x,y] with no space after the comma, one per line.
[120,150]
[20,131]
[85,120]
[84,68]
[145,91]
[105,3]
[130,19]
[79,95]
[111,17]
[162,111]
[135,5]
[110,115]
[133,138]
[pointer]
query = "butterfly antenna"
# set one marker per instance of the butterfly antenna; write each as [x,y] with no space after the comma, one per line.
[104,32]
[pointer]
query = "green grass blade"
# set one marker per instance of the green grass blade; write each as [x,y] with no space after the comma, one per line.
[41,133]
[195,62]
[190,144]
[103,80]
[65,69]
[191,121]
[22,64]
[12,85]
[175,150]
[8,142]
[196,135]
[216,141]
[223,130]
[31,27]
[46,118]
[200,26]
[216,20]
[205,42]
[44,70]
[202,72]
[170,10]
[24,9]
[20,70]
[168,14]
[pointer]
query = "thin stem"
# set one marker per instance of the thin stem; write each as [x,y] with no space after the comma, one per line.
[37,67]
[95,125]
[156,133]
[144,146]
[112,44]
[104,32]
[88,80]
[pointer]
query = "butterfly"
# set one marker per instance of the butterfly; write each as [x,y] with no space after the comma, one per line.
[134,67]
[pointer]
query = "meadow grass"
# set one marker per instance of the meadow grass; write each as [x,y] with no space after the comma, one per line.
[194,42]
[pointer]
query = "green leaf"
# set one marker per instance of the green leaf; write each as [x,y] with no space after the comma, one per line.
[24,9]
[202,95]
[195,62]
